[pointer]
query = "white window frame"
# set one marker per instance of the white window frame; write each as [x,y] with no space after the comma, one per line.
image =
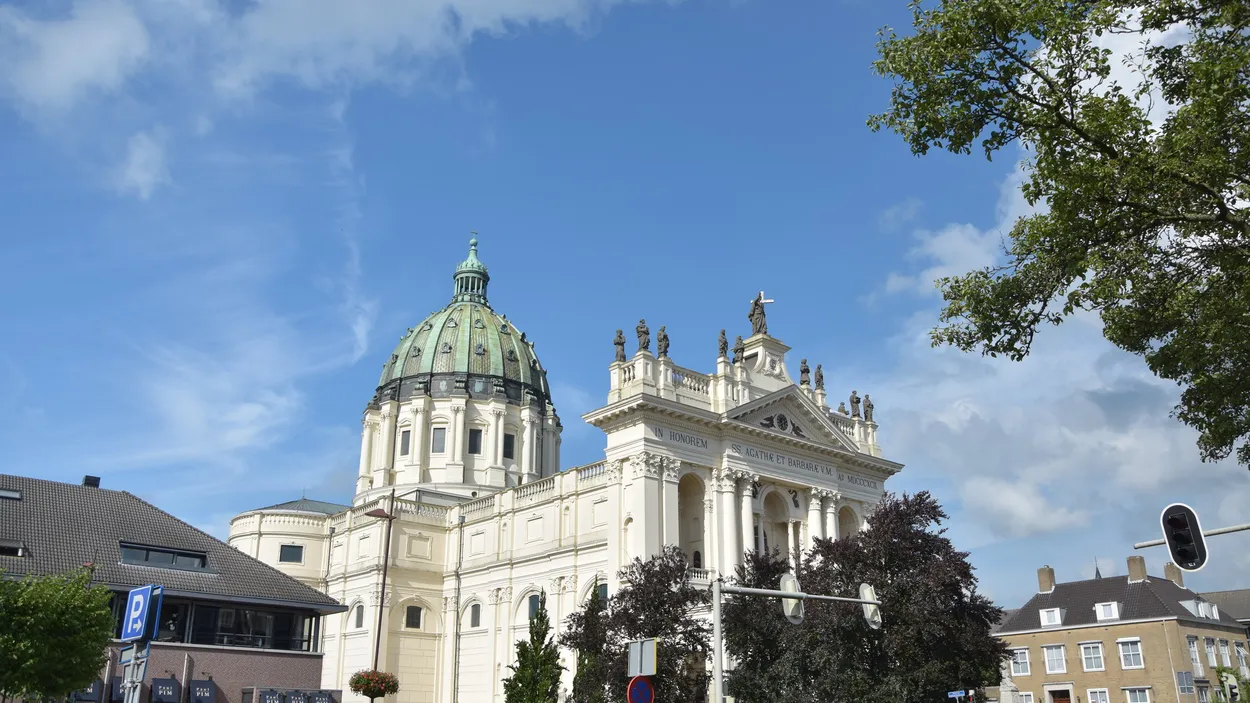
[1195,656]
[1185,683]
[1041,615]
[1224,654]
[433,433]
[1102,658]
[1210,645]
[1129,689]
[1028,669]
[1141,652]
[1115,612]
[1240,649]
[1106,695]
[1202,694]
[1026,697]
[1063,658]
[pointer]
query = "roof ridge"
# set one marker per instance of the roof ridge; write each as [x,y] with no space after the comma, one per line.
[227,546]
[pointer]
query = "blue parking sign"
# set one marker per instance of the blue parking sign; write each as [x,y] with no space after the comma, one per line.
[143,606]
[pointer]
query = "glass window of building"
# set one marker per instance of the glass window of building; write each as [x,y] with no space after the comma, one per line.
[412,617]
[535,603]
[291,554]
[475,615]
[1091,656]
[360,616]
[475,442]
[438,440]
[509,446]
[405,442]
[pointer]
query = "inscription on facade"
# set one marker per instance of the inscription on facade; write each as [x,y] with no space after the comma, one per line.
[791,462]
[664,433]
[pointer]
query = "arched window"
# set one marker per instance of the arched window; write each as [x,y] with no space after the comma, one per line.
[412,617]
[360,616]
[475,615]
[697,560]
[535,604]
[603,593]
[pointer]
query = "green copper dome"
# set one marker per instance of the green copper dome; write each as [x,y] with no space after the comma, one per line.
[465,348]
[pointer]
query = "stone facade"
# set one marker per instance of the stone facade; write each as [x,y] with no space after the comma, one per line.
[714,463]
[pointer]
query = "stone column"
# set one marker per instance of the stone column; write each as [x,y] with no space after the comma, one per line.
[416,449]
[457,434]
[813,516]
[831,515]
[672,528]
[748,516]
[388,441]
[710,537]
[529,448]
[728,532]
[364,480]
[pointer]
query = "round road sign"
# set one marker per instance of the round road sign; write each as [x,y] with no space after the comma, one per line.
[640,690]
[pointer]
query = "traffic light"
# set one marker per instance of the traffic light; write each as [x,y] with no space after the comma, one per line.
[1184,537]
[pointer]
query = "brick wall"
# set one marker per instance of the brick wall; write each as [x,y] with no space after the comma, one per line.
[231,669]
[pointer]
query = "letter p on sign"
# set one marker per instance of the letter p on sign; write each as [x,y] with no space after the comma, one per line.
[138,603]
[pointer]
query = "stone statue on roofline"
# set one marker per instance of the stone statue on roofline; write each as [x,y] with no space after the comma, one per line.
[757,316]
[842,408]
[739,348]
[722,348]
[820,378]
[619,342]
[661,342]
[854,404]
[805,373]
[644,336]
[867,408]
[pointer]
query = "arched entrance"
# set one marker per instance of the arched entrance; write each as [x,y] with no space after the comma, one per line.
[775,524]
[848,521]
[690,496]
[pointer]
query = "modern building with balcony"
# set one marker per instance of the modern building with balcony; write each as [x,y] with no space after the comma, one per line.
[462,513]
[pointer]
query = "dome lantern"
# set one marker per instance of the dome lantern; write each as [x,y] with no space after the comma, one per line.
[471,278]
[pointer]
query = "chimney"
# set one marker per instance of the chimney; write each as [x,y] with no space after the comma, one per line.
[91,481]
[1045,579]
[1174,574]
[1136,569]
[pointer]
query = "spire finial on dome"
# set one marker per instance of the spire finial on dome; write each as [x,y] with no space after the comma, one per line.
[471,276]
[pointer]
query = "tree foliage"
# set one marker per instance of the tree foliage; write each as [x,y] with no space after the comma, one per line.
[536,675]
[1140,159]
[53,634]
[935,635]
[373,684]
[655,600]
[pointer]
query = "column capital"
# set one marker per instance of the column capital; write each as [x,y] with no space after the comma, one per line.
[744,476]
[497,412]
[457,409]
[672,468]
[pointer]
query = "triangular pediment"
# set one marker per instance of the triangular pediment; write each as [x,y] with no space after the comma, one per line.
[791,413]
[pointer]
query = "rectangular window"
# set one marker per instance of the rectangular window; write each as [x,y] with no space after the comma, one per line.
[509,446]
[1026,698]
[1050,617]
[1241,659]
[1019,662]
[1107,611]
[475,442]
[164,558]
[1194,657]
[10,494]
[405,442]
[535,604]
[1204,694]
[603,598]
[438,440]
[412,617]
[475,615]
[1098,695]
[1211,653]
[10,549]
[1224,653]
[1055,663]
[291,554]
[1091,656]
[360,616]
[1130,654]
[1184,682]
[244,627]
[1142,695]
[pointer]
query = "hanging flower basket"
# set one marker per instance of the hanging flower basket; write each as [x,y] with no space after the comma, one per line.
[373,684]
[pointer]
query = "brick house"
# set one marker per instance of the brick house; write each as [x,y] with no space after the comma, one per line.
[228,622]
[1124,639]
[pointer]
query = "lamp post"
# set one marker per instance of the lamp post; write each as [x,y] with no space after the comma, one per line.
[386,563]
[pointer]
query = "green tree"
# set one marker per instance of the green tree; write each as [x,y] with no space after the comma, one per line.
[935,635]
[1142,164]
[586,633]
[53,634]
[373,684]
[536,675]
[655,600]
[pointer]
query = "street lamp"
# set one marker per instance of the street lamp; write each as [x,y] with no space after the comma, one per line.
[386,563]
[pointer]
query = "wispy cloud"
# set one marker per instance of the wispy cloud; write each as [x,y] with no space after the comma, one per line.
[145,168]
[899,214]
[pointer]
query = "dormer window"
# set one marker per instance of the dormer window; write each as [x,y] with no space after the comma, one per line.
[1107,611]
[9,548]
[10,494]
[164,558]
[1051,617]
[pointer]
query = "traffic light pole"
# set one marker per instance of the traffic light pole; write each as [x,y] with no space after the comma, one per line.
[718,589]
[1205,533]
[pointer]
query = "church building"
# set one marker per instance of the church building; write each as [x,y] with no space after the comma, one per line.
[463,514]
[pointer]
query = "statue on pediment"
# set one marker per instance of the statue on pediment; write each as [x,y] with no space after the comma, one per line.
[842,408]
[805,373]
[820,378]
[867,408]
[722,348]
[739,348]
[757,316]
[619,342]
[661,342]
[644,336]
[854,404]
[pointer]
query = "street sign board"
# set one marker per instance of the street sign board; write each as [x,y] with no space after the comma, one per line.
[640,690]
[792,608]
[955,694]
[143,608]
[641,658]
[872,613]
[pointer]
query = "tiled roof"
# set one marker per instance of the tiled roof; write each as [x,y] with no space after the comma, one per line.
[63,525]
[1237,603]
[306,505]
[1008,613]
[1153,598]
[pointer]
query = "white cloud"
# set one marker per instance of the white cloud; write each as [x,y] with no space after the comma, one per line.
[52,64]
[144,168]
[899,214]
[954,249]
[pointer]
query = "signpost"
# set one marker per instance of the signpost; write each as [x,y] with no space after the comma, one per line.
[640,690]
[641,658]
[141,620]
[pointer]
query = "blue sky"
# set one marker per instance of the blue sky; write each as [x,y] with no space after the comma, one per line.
[216,219]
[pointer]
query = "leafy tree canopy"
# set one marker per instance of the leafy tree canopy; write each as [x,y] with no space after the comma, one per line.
[53,634]
[935,635]
[536,675]
[373,684]
[655,600]
[1142,163]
